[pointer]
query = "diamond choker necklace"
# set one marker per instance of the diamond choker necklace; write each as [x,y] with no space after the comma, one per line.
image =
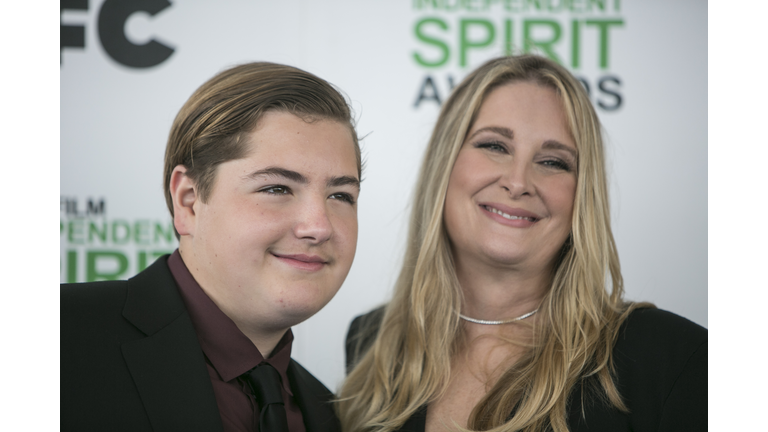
[479,321]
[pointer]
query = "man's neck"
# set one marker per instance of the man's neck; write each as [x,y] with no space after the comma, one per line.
[264,337]
[264,342]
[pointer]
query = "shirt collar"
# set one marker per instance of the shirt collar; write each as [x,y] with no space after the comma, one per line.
[228,350]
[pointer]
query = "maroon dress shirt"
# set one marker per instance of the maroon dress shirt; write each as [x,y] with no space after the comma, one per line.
[229,354]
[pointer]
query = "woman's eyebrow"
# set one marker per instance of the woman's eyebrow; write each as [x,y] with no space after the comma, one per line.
[505,132]
[279,172]
[557,145]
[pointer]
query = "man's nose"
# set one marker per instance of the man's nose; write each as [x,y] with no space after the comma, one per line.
[312,222]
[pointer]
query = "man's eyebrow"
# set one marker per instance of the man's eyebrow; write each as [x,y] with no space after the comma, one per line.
[299,178]
[279,172]
[505,132]
[557,145]
[343,181]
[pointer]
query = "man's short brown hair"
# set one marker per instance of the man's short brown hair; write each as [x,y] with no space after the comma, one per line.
[211,126]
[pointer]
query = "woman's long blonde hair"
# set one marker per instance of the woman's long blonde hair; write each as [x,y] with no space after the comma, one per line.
[409,364]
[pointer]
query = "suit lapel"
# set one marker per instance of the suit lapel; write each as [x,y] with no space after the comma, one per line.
[314,400]
[167,366]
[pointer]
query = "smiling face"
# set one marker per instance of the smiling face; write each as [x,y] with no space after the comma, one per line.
[510,196]
[277,236]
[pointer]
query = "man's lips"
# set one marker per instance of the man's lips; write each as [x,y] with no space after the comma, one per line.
[515,215]
[301,261]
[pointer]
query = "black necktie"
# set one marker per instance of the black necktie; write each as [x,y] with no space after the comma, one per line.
[265,384]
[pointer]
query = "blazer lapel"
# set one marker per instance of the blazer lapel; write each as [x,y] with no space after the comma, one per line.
[314,400]
[168,366]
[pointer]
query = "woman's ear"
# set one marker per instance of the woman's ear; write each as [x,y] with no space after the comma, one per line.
[183,195]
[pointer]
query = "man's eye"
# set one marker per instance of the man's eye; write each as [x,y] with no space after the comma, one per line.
[276,190]
[343,196]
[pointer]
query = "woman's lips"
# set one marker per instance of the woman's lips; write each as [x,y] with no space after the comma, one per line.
[301,261]
[514,217]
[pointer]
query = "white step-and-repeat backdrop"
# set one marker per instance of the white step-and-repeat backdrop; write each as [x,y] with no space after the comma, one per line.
[127,67]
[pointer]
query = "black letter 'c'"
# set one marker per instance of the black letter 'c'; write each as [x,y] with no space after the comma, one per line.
[112,18]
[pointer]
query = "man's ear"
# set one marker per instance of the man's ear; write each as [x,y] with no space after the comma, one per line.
[183,195]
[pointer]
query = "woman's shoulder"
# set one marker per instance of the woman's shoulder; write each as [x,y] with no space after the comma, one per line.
[660,360]
[367,320]
[361,334]
[651,331]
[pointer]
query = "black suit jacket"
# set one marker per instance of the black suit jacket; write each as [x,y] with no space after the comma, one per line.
[131,361]
[661,372]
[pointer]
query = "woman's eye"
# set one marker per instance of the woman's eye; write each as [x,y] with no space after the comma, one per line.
[276,190]
[557,164]
[343,196]
[492,146]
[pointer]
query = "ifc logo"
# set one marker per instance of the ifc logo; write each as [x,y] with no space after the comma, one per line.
[111,22]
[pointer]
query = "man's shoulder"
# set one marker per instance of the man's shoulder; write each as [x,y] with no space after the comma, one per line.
[158,271]
[82,294]
[89,303]
[85,307]
[301,376]
[313,398]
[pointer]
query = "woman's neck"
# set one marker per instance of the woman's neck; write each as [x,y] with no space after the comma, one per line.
[500,293]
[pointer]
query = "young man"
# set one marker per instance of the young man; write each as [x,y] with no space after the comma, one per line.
[262,175]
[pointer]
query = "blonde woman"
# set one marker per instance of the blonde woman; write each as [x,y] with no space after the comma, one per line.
[508,314]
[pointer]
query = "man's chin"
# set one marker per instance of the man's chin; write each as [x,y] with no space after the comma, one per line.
[296,313]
